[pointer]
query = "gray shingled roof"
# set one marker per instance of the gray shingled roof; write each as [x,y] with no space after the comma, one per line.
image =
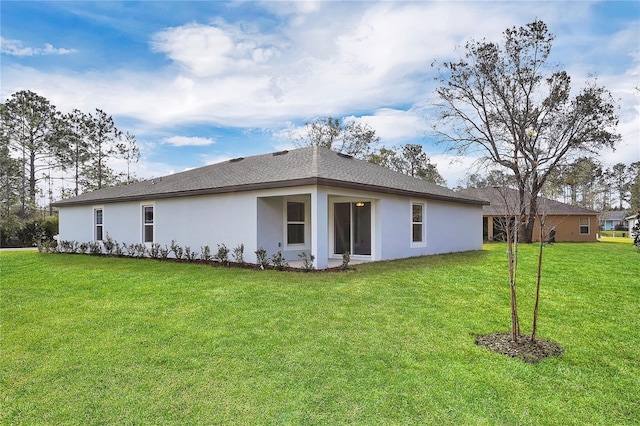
[302,166]
[614,215]
[504,201]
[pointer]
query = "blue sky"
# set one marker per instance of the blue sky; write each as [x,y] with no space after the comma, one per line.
[200,82]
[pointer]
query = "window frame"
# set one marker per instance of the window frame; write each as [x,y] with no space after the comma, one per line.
[422,223]
[286,222]
[587,226]
[145,224]
[97,225]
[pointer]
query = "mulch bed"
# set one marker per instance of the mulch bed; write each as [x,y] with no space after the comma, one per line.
[529,351]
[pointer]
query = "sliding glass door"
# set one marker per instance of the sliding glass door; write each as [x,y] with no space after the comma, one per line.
[352,228]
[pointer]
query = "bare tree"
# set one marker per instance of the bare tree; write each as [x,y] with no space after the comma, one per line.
[505,103]
[349,137]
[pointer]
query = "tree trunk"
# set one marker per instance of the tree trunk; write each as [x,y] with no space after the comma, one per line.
[529,225]
[528,228]
[538,277]
[32,178]
[512,259]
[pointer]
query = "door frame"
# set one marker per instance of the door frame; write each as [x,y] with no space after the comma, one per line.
[337,200]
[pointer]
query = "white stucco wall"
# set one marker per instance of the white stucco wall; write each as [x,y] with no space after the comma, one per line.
[208,220]
[450,227]
[256,219]
[191,221]
[75,224]
[269,228]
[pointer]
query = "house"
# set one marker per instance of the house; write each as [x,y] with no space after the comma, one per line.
[563,222]
[613,220]
[310,200]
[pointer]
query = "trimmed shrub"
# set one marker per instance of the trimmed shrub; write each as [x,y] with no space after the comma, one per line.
[163,252]
[263,260]
[206,253]
[279,262]
[346,258]
[190,255]
[223,254]
[120,249]
[109,245]
[176,249]
[95,248]
[307,261]
[238,254]
[154,251]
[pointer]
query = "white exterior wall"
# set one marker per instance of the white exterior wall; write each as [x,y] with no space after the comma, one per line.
[450,227]
[269,228]
[190,221]
[228,219]
[453,227]
[256,219]
[121,221]
[76,224]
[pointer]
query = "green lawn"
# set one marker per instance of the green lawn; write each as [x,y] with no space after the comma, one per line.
[87,340]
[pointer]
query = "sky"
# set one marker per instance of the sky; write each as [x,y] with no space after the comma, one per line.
[202,82]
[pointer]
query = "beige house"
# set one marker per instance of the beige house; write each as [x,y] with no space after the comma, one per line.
[563,222]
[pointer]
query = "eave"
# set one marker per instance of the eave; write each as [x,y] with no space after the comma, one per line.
[271,185]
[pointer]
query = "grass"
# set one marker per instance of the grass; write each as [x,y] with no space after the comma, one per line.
[88,340]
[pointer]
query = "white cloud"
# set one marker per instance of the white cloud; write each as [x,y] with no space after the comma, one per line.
[188,141]
[394,126]
[16,48]
[202,49]
[211,50]
[454,169]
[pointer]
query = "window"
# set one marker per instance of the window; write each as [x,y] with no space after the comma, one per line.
[295,223]
[147,222]
[584,226]
[97,221]
[417,224]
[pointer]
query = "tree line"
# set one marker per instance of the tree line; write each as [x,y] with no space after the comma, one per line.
[43,150]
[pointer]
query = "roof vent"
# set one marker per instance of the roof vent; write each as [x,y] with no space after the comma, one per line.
[235,160]
[275,154]
[343,155]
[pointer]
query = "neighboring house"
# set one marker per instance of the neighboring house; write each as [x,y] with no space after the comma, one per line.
[564,222]
[611,219]
[310,200]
